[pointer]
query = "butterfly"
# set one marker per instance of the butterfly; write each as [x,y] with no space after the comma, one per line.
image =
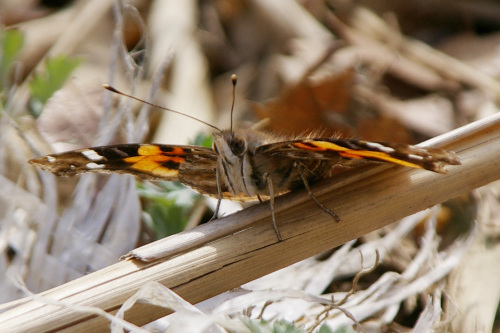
[244,164]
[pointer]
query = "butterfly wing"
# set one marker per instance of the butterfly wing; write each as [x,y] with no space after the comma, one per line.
[192,165]
[433,159]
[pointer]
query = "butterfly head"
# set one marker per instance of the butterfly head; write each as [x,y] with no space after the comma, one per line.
[230,143]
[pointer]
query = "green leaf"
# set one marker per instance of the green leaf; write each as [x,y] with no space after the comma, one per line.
[279,326]
[11,43]
[282,326]
[203,140]
[46,83]
[257,326]
[167,206]
[345,329]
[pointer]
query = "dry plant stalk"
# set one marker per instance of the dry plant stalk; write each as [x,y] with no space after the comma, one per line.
[242,247]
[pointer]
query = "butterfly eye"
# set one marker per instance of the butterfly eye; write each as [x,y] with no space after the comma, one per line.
[238,146]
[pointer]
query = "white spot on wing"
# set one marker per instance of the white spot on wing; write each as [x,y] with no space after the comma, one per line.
[380,147]
[51,159]
[415,157]
[92,155]
[93,166]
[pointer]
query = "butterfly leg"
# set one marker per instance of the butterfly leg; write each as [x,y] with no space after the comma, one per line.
[271,203]
[300,169]
[216,212]
[219,197]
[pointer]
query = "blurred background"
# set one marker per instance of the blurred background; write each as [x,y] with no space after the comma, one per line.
[400,71]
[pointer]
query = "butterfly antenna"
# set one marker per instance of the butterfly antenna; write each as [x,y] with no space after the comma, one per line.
[234,80]
[110,88]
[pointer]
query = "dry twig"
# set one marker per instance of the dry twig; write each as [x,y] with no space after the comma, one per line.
[241,247]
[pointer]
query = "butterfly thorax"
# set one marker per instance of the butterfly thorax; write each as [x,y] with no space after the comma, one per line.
[244,170]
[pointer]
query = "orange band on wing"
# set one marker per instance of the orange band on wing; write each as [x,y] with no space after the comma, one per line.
[355,154]
[153,159]
[175,151]
[153,150]
[320,146]
[148,150]
[379,156]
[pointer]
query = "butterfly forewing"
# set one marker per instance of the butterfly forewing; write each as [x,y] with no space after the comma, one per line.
[433,159]
[147,161]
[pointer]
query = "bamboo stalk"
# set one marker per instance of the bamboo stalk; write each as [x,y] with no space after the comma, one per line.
[236,249]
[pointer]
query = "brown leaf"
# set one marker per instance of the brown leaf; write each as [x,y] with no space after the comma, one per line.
[310,106]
